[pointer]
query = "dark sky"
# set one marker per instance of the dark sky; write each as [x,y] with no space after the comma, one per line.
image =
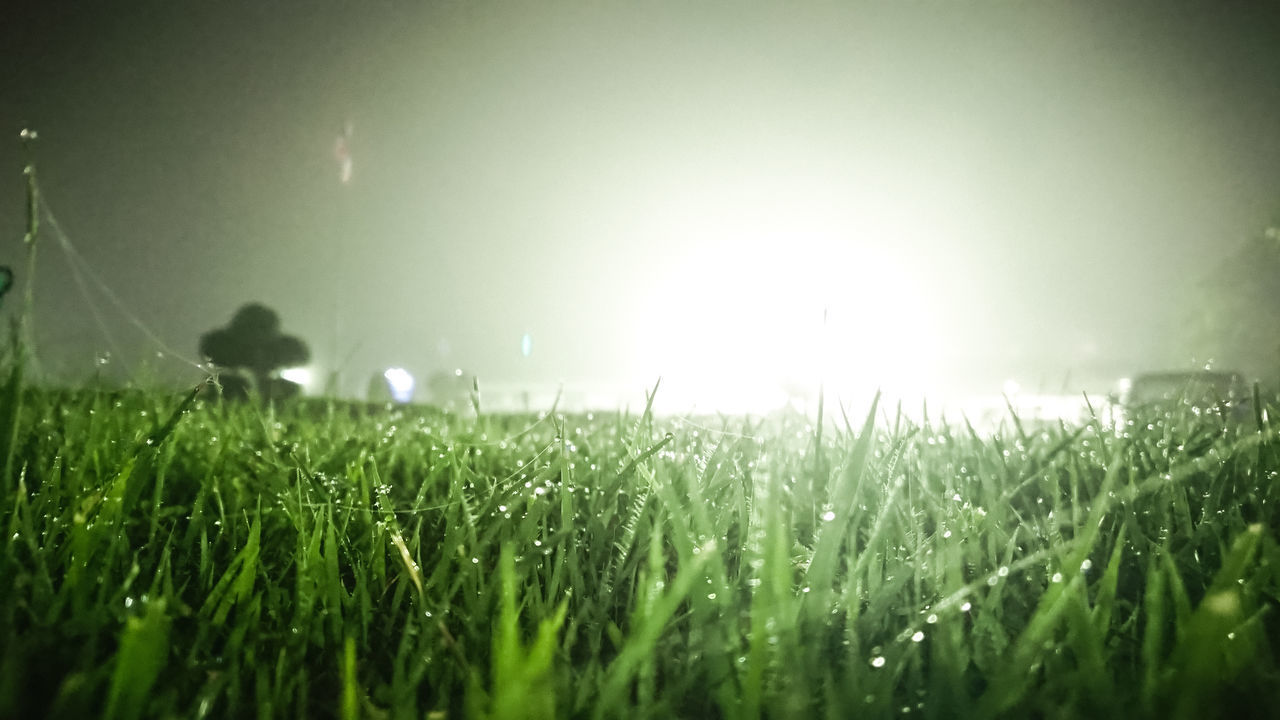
[971,189]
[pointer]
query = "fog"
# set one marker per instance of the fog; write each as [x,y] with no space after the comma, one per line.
[932,198]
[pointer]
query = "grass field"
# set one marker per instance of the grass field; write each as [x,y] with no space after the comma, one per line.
[166,556]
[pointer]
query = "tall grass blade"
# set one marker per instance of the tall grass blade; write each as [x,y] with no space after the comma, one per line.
[143,654]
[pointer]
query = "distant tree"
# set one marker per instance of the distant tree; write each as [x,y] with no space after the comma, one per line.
[1237,322]
[253,344]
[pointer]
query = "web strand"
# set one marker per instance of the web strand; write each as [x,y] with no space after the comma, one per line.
[82,269]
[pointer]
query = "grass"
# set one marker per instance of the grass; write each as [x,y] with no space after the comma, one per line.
[166,556]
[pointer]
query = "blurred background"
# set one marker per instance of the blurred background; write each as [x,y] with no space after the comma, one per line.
[946,200]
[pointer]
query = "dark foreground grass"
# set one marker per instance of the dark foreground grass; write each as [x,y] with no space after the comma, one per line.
[169,559]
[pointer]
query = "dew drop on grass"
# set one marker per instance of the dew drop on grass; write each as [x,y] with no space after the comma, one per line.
[933,618]
[966,606]
[828,516]
[877,661]
[918,636]
[1003,571]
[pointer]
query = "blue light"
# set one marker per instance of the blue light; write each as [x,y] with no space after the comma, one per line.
[400,383]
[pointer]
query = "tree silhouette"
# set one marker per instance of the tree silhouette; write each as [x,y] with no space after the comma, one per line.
[253,343]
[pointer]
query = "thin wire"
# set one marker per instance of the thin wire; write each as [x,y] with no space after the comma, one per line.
[78,275]
[704,428]
[75,258]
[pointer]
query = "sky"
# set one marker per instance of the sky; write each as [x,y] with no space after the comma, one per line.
[737,197]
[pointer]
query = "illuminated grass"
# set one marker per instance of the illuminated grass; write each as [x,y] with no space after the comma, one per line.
[321,560]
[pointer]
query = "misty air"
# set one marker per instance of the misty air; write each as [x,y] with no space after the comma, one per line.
[708,360]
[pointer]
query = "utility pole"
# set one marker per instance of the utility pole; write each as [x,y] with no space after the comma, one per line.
[342,153]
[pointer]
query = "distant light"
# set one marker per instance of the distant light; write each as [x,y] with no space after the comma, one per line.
[300,375]
[526,345]
[1012,387]
[342,153]
[400,383]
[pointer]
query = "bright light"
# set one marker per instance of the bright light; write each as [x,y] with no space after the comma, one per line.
[400,383]
[301,375]
[1012,387]
[746,319]
[526,345]
[794,273]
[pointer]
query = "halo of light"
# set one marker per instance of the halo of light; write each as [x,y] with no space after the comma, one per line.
[400,383]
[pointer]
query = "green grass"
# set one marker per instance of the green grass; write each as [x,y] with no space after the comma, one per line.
[163,556]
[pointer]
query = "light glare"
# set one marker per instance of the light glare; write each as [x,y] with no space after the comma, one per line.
[400,384]
[300,375]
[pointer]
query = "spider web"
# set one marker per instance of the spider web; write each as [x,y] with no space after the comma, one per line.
[88,281]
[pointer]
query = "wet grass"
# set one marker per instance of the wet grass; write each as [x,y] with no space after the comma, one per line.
[166,556]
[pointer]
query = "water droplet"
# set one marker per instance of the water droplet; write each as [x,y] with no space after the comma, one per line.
[828,516]
[1057,577]
[877,661]
[918,636]
[966,606]
[933,618]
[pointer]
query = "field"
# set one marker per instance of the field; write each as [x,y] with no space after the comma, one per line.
[169,556]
